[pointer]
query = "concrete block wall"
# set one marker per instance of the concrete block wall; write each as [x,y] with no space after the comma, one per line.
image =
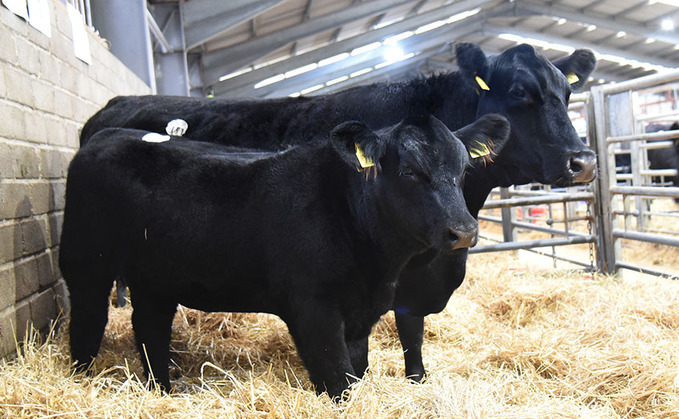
[46,95]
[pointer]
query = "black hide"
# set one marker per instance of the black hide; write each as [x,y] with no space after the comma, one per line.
[524,87]
[299,233]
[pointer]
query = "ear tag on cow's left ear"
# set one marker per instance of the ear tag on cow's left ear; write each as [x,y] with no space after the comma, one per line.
[572,78]
[481,151]
[364,161]
[176,127]
[367,164]
[482,84]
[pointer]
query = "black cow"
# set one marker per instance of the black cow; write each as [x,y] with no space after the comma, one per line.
[298,233]
[523,86]
[663,158]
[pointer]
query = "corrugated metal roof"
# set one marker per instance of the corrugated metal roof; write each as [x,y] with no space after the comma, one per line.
[286,43]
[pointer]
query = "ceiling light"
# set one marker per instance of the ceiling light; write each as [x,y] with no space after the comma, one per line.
[463,15]
[621,34]
[393,54]
[590,28]
[333,59]
[430,26]
[667,24]
[301,70]
[270,80]
[561,21]
[366,48]
[312,89]
[235,74]
[394,39]
[650,40]
[361,72]
[337,80]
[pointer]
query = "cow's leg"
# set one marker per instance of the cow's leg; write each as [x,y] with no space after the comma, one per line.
[89,294]
[411,334]
[358,353]
[152,324]
[318,333]
[121,292]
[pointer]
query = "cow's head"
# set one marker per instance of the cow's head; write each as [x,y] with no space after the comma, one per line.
[420,166]
[533,95]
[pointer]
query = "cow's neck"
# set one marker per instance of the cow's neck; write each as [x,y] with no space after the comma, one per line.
[384,245]
[448,97]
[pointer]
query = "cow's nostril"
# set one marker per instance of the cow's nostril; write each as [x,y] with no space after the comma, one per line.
[453,237]
[462,238]
[582,166]
[575,165]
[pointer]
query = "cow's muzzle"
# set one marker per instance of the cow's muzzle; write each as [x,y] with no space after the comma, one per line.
[582,166]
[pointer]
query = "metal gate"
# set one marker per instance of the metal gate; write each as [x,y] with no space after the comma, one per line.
[615,207]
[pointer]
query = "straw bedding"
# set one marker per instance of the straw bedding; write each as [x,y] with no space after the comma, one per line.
[512,343]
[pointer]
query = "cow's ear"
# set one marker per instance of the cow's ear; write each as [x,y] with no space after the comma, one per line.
[485,137]
[358,145]
[473,64]
[577,67]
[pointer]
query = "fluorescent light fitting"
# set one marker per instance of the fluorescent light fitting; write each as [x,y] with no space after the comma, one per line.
[621,34]
[536,42]
[384,64]
[333,59]
[270,80]
[361,72]
[311,89]
[337,80]
[301,70]
[394,39]
[667,24]
[235,74]
[561,21]
[387,23]
[461,16]
[590,28]
[296,94]
[393,54]
[650,40]
[274,61]
[430,26]
[366,48]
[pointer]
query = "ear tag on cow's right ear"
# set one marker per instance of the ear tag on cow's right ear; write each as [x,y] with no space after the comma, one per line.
[364,161]
[482,84]
[481,151]
[572,78]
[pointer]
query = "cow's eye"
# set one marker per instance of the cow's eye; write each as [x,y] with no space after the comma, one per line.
[407,172]
[518,93]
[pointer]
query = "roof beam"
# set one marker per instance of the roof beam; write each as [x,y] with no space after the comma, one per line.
[227,60]
[496,30]
[207,19]
[349,44]
[287,89]
[417,43]
[613,24]
[406,71]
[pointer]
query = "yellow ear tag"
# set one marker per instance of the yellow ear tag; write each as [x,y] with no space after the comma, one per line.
[483,150]
[482,84]
[364,161]
[572,78]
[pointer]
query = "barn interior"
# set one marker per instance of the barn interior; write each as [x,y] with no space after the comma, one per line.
[569,310]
